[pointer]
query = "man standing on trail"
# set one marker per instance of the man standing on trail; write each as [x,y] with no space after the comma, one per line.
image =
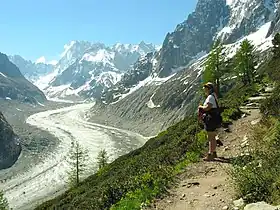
[211,118]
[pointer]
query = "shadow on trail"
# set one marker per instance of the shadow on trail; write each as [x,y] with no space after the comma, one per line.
[239,160]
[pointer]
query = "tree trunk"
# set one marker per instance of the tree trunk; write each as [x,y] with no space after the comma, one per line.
[77,166]
[218,87]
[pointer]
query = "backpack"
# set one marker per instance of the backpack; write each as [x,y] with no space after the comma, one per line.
[218,117]
[213,118]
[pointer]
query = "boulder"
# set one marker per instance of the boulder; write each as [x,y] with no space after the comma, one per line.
[261,206]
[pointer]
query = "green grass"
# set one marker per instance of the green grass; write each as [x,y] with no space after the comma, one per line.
[230,114]
[238,95]
[139,176]
[135,179]
[233,99]
[143,196]
[257,178]
[271,106]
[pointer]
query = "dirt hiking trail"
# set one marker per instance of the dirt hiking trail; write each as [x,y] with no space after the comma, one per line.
[207,185]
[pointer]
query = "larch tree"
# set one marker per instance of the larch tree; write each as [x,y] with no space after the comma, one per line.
[77,159]
[245,62]
[276,45]
[102,159]
[215,65]
[3,201]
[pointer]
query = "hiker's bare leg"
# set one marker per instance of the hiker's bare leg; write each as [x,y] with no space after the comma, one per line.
[212,141]
[212,147]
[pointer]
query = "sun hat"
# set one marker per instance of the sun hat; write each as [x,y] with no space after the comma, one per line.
[209,85]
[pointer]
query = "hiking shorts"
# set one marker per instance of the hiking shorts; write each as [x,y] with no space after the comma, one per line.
[210,123]
[210,128]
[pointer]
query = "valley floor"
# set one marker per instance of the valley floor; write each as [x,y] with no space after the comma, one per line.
[47,177]
[207,185]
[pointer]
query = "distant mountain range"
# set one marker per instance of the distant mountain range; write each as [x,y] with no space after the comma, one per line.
[155,87]
[85,69]
[31,70]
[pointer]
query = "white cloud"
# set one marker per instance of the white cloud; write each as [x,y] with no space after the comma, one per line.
[42,59]
[53,62]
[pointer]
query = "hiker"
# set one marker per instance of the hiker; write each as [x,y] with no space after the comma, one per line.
[209,113]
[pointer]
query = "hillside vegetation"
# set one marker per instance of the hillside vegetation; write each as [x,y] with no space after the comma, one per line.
[257,177]
[139,175]
[136,178]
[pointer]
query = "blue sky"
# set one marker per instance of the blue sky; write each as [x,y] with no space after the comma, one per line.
[33,28]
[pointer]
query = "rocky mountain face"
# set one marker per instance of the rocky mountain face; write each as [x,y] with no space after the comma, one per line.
[140,71]
[275,25]
[10,147]
[246,17]
[14,86]
[192,37]
[73,51]
[30,70]
[162,87]
[87,69]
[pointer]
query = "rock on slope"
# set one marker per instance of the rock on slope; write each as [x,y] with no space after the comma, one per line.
[13,85]
[86,69]
[162,87]
[10,147]
[260,206]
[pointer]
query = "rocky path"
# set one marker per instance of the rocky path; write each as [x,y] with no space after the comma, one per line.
[207,185]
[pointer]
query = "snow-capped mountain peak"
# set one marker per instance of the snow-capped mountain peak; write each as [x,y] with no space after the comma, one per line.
[138,98]
[246,17]
[72,51]
[87,68]
[231,20]
[33,70]
[142,48]
[101,56]
[67,47]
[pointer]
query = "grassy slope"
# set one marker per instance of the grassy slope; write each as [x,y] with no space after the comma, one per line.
[143,174]
[148,168]
[257,178]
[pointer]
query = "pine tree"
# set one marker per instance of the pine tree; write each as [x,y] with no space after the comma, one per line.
[3,202]
[77,158]
[102,159]
[273,69]
[276,45]
[245,62]
[215,65]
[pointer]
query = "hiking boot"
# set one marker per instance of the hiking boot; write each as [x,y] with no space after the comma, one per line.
[215,155]
[219,143]
[208,157]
